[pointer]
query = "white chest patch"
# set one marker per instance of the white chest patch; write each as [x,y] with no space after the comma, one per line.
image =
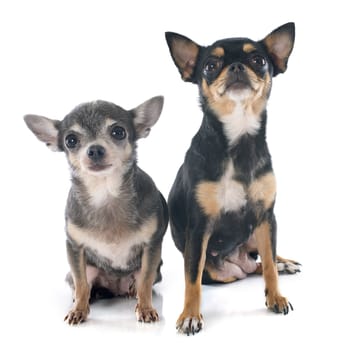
[101,188]
[231,194]
[240,122]
[114,247]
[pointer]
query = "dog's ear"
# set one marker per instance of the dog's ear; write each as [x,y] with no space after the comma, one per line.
[279,45]
[45,129]
[146,115]
[185,53]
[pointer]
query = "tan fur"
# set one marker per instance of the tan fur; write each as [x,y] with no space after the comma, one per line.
[279,47]
[256,103]
[193,289]
[213,273]
[263,189]
[80,309]
[206,194]
[144,282]
[248,47]
[220,102]
[218,52]
[224,195]
[185,55]
[262,236]
[273,297]
[223,102]
[114,244]
[279,259]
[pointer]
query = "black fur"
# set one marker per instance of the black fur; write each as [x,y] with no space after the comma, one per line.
[228,153]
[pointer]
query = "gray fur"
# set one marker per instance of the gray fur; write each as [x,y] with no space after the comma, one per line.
[129,197]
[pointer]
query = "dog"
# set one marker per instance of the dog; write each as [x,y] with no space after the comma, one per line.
[115,216]
[222,200]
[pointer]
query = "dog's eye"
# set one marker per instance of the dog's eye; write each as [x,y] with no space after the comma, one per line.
[118,133]
[71,140]
[258,60]
[212,65]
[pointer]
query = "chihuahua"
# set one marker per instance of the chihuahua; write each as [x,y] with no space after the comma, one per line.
[115,216]
[221,203]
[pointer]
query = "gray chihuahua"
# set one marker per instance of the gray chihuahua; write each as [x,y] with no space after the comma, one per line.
[115,216]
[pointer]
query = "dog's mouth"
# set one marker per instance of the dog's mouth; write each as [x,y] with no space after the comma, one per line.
[99,167]
[238,82]
[238,85]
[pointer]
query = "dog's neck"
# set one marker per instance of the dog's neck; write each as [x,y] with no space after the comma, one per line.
[244,117]
[103,190]
[232,127]
[103,202]
[238,123]
[212,145]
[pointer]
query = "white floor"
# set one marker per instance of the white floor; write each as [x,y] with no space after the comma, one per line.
[36,301]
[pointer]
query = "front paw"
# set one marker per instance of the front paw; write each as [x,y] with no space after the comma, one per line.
[277,303]
[146,314]
[76,316]
[189,324]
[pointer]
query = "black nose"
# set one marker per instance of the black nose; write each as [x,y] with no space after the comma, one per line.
[96,152]
[237,67]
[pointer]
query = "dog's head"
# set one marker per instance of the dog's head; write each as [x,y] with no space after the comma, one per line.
[233,71]
[98,137]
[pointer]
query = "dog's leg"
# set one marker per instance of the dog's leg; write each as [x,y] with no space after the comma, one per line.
[191,321]
[77,262]
[144,282]
[274,300]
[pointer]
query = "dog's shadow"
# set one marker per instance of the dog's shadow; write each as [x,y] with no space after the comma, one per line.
[120,312]
[241,298]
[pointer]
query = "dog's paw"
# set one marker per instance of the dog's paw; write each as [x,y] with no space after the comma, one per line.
[278,304]
[77,316]
[290,267]
[189,324]
[146,314]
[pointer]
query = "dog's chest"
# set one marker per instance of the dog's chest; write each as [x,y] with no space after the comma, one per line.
[231,194]
[224,195]
[116,249]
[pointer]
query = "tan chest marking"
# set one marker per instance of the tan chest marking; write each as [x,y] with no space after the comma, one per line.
[263,189]
[223,196]
[115,247]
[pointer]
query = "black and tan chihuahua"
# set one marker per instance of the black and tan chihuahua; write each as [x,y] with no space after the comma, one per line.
[221,203]
[115,216]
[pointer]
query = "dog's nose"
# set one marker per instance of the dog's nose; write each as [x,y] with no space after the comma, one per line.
[96,152]
[237,67]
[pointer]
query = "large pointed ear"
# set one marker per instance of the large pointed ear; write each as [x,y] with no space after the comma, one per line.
[146,115]
[45,129]
[279,45]
[184,52]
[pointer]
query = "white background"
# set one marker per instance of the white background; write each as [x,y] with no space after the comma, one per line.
[55,55]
